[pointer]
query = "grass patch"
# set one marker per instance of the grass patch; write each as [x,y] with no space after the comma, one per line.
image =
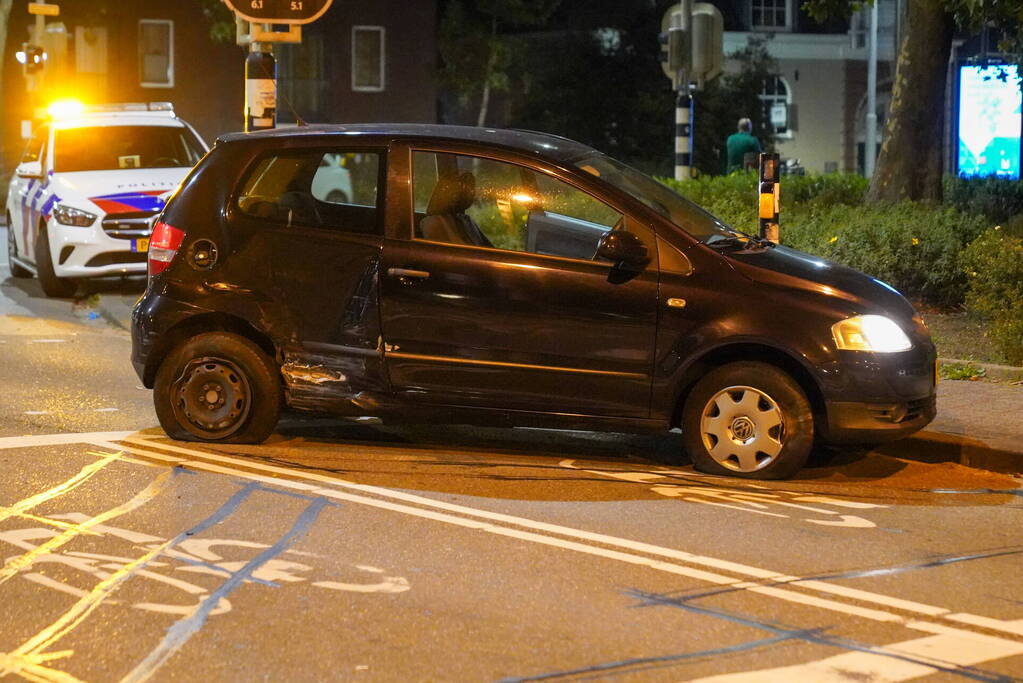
[960,335]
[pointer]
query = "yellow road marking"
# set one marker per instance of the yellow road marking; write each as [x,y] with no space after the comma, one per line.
[71,484]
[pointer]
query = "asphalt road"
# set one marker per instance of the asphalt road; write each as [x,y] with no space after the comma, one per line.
[347,551]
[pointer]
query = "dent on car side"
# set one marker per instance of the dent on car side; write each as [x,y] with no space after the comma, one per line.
[352,336]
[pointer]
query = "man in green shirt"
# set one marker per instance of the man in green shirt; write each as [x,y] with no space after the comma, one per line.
[740,144]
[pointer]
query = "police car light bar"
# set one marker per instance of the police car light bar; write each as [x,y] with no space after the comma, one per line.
[130,106]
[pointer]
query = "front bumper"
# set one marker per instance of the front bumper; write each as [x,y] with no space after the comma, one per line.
[92,252]
[872,398]
[853,422]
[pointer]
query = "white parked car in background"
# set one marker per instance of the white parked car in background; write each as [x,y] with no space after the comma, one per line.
[80,202]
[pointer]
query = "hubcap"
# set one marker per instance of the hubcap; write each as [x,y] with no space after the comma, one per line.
[743,429]
[211,398]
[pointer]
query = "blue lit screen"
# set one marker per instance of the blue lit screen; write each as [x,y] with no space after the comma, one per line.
[989,121]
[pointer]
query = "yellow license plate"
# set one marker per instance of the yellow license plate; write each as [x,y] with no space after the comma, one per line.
[142,245]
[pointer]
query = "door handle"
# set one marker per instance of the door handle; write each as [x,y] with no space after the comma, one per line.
[405,273]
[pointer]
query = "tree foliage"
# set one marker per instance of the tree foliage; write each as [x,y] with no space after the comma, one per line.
[594,75]
[478,42]
[726,99]
[220,20]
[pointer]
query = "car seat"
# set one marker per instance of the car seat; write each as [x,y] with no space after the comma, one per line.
[446,220]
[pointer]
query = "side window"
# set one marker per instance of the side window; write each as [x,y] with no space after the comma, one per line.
[334,190]
[487,203]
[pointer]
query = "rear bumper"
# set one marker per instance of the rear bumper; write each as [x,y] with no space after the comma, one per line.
[853,422]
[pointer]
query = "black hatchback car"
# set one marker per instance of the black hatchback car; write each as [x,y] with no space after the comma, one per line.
[504,277]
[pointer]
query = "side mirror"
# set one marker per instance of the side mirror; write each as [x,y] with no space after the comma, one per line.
[622,247]
[30,170]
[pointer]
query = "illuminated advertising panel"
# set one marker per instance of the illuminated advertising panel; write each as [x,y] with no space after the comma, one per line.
[989,122]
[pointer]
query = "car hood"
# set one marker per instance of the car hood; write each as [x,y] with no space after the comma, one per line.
[128,191]
[784,267]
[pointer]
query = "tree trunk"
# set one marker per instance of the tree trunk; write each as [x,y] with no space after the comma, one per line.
[488,74]
[910,164]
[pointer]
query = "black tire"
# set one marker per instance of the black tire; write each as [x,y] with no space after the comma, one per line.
[12,252]
[762,405]
[53,286]
[218,387]
[336,197]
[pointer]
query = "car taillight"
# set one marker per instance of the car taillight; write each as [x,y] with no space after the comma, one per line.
[163,245]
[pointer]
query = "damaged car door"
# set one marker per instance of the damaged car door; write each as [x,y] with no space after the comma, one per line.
[323,250]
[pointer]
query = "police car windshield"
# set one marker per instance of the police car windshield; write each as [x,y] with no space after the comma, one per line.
[659,197]
[112,148]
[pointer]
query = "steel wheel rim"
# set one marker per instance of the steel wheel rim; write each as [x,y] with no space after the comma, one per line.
[742,428]
[12,247]
[211,398]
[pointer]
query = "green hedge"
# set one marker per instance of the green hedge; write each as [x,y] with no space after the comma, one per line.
[994,265]
[916,248]
[999,199]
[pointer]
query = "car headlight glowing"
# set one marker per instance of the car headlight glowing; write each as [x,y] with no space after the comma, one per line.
[870,333]
[67,215]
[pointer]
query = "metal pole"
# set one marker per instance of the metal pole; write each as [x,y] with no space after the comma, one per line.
[683,134]
[260,88]
[870,137]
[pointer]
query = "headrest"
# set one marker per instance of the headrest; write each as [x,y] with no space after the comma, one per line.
[453,194]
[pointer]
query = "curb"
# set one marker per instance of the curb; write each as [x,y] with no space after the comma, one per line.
[992,371]
[938,447]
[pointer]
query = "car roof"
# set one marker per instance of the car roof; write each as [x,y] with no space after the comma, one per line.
[88,120]
[542,144]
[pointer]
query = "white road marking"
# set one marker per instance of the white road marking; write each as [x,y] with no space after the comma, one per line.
[944,651]
[106,410]
[785,593]
[47,341]
[37,412]
[313,482]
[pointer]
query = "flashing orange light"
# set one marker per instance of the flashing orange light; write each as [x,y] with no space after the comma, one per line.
[66,109]
[523,198]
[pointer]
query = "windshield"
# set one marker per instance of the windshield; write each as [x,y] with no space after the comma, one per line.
[112,148]
[673,206]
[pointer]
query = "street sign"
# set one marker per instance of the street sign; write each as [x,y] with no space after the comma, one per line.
[279,11]
[43,9]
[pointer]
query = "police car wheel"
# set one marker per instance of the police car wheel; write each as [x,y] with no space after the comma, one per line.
[748,419]
[218,387]
[53,286]
[12,252]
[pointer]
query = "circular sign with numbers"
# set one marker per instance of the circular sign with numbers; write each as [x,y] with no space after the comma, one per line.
[279,11]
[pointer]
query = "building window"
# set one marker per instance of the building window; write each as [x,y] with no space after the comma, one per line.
[156,53]
[770,14]
[777,100]
[368,58]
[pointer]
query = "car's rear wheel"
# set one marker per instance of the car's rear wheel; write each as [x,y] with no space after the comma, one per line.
[12,253]
[53,286]
[748,419]
[219,387]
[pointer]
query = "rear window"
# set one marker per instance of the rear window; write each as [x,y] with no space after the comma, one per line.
[334,190]
[112,148]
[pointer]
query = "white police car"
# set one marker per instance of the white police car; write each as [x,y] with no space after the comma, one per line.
[80,202]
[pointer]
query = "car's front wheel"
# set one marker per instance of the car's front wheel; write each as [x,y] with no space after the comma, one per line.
[53,286]
[218,386]
[748,419]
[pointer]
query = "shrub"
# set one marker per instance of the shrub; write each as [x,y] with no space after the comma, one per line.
[916,248]
[994,266]
[996,198]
